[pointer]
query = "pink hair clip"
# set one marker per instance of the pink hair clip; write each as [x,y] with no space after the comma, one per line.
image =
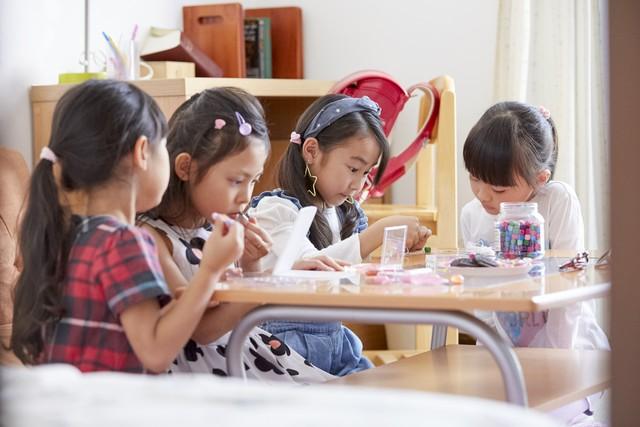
[295,138]
[244,128]
[219,124]
[545,113]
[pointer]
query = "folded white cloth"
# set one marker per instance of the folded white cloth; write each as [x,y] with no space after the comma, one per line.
[54,395]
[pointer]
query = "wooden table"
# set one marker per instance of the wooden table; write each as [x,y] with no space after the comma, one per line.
[400,303]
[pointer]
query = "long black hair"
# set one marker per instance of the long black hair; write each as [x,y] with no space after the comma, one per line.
[291,177]
[95,124]
[192,130]
[511,139]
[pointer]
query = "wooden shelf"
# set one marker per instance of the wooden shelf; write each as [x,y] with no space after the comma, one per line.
[279,88]
[284,100]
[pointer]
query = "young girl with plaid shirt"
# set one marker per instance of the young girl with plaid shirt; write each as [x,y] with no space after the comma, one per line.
[92,293]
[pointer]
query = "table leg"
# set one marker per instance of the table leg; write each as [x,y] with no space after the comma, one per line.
[438,336]
[501,351]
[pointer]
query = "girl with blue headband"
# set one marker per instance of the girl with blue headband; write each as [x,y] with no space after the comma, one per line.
[336,143]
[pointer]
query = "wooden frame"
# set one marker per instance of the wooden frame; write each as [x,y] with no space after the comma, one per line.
[436,195]
[436,183]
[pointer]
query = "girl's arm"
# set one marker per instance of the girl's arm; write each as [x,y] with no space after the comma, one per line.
[277,215]
[216,321]
[157,335]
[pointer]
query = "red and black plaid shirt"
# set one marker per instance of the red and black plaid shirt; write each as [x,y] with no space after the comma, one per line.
[112,266]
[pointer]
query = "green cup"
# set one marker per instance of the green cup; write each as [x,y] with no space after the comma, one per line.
[65,78]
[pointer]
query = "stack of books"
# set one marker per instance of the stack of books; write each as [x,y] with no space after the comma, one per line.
[257,47]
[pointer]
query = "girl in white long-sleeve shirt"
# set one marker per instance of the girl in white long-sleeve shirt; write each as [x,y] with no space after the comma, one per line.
[338,140]
[511,155]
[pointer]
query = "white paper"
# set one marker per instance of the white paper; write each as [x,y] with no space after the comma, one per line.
[296,239]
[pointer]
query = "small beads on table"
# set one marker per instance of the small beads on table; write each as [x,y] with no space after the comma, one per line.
[520,239]
[457,279]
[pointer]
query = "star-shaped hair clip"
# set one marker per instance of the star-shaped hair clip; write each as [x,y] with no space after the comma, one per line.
[578,262]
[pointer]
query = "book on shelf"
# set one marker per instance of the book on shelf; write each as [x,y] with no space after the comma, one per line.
[173,45]
[286,40]
[257,42]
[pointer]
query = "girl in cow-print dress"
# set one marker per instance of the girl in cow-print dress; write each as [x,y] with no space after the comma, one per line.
[218,143]
[265,357]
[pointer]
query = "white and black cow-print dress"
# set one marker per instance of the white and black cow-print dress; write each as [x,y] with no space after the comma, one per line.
[265,357]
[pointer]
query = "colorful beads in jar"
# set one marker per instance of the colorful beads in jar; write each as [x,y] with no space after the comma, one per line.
[519,231]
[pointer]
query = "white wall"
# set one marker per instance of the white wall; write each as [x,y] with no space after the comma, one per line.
[411,40]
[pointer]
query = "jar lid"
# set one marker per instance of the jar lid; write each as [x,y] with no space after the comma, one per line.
[511,206]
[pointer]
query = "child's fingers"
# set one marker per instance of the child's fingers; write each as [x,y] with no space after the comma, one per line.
[323,263]
[250,253]
[255,246]
[257,241]
[311,264]
[179,291]
[253,227]
[231,273]
[425,233]
[331,263]
[222,223]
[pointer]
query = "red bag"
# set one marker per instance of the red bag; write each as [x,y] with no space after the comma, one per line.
[391,97]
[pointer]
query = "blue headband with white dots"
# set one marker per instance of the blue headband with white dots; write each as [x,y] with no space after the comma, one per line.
[336,109]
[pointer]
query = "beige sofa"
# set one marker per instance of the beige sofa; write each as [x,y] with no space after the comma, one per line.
[14,181]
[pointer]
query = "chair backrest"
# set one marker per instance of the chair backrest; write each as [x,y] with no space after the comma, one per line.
[14,179]
[391,98]
[436,167]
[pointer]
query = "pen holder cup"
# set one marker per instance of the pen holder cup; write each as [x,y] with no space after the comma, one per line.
[127,65]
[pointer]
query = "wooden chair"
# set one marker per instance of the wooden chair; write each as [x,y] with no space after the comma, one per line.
[553,377]
[436,183]
[436,207]
[14,179]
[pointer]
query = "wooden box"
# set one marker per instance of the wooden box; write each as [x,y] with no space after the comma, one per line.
[172,69]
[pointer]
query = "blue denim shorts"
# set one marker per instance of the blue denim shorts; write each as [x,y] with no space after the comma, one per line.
[329,346]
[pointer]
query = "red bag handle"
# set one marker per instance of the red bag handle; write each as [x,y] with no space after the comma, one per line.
[398,165]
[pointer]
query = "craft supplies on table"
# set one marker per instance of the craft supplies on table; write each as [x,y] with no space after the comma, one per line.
[519,231]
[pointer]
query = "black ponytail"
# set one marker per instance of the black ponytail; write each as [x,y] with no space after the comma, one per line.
[95,125]
[45,236]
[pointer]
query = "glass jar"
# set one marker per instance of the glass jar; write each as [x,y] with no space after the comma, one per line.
[519,231]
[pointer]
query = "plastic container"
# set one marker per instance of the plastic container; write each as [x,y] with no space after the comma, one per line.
[519,231]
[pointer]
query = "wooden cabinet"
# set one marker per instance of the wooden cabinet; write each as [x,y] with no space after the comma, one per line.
[283,99]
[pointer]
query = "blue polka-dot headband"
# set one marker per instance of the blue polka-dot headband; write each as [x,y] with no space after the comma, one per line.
[332,112]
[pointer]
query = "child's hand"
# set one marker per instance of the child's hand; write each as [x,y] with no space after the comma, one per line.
[224,246]
[321,262]
[257,242]
[417,234]
[423,235]
[231,273]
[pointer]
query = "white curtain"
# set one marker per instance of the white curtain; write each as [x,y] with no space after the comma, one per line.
[552,53]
